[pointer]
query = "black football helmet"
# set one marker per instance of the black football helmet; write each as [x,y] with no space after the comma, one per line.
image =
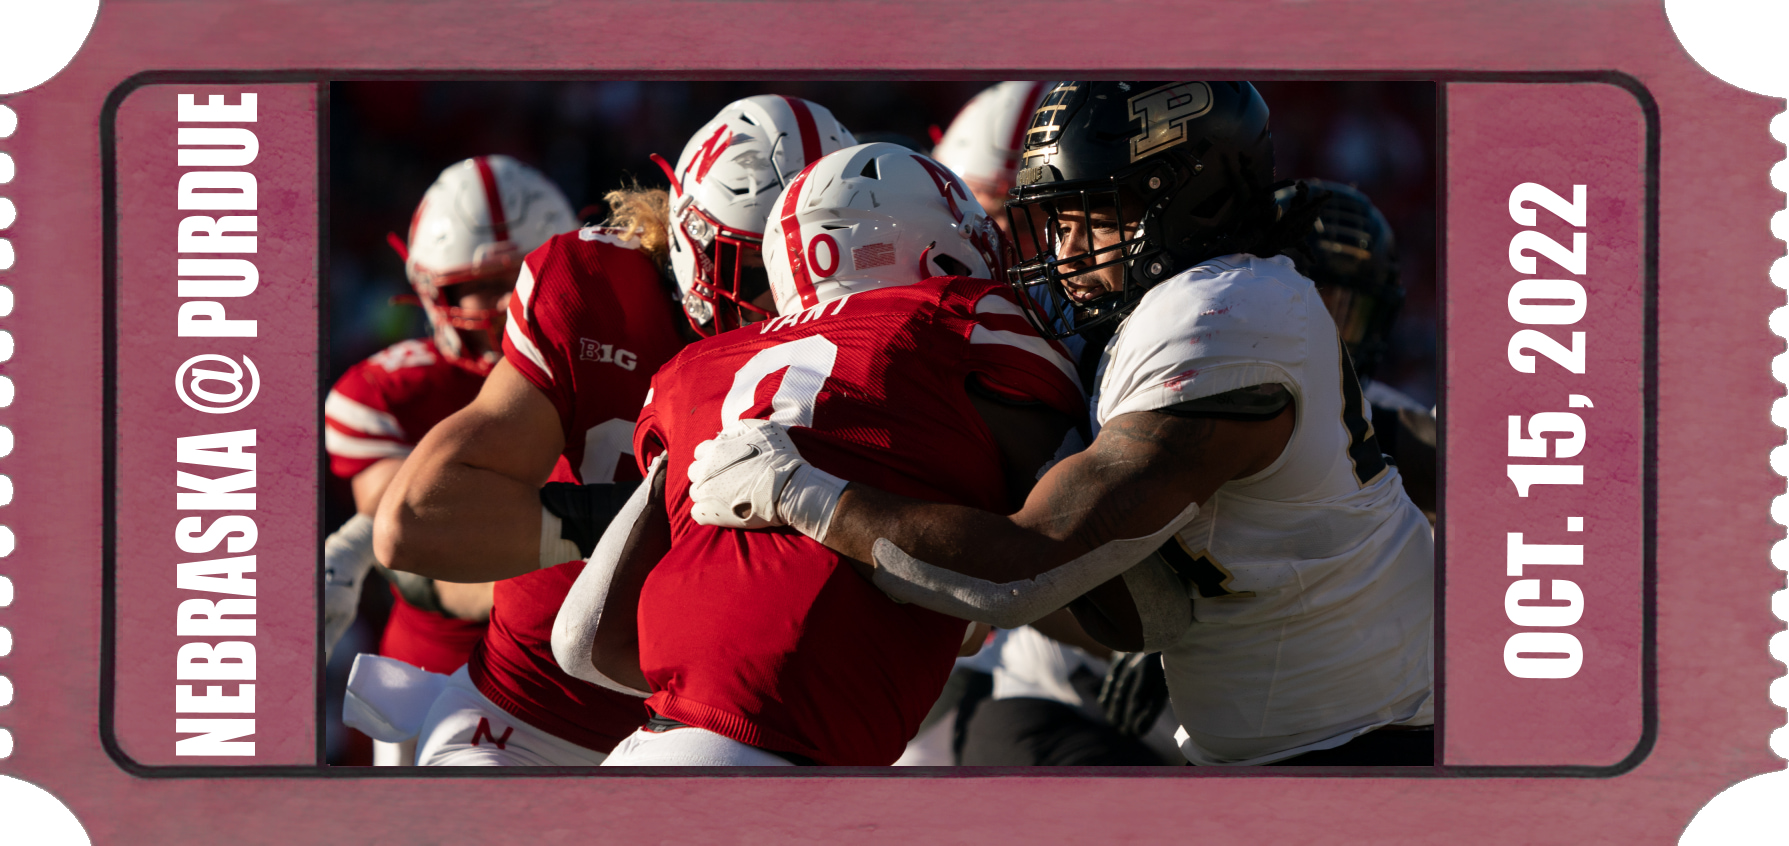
[1190,164]
[1350,246]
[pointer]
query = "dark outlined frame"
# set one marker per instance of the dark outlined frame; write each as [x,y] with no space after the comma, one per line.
[1441,79]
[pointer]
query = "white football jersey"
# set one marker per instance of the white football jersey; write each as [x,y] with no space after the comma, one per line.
[1313,580]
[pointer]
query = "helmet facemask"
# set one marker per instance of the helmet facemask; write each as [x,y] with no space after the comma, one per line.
[471,231]
[453,325]
[722,190]
[1182,169]
[725,279]
[1048,267]
[1349,251]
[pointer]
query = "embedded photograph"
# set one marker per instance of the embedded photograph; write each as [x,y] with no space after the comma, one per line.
[880,423]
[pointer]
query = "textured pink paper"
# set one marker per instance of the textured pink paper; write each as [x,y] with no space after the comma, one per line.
[1499,136]
[1713,534]
[151,416]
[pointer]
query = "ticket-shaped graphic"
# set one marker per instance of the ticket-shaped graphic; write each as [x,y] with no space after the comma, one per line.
[1372,440]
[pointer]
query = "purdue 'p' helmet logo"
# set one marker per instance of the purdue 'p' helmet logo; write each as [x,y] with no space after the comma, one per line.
[1164,112]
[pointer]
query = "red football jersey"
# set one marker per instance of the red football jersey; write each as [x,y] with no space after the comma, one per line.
[383,406]
[590,322]
[379,409]
[428,639]
[767,637]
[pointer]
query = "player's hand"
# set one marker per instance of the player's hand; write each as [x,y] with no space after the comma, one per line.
[347,556]
[1135,691]
[751,476]
[739,475]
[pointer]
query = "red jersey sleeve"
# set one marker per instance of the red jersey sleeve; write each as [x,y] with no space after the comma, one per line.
[649,441]
[383,406]
[1007,355]
[537,337]
[359,427]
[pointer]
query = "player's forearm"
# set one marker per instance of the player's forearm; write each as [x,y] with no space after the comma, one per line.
[596,633]
[1092,518]
[1085,501]
[967,540]
[369,485]
[454,522]
[616,652]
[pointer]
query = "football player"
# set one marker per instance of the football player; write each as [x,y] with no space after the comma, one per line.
[1294,616]
[1349,252]
[893,358]
[465,246]
[984,142]
[1034,713]
[590,323]
[1352,257]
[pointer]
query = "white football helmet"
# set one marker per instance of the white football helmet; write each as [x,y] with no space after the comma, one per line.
[722,191]
[875,216]
[475,224]
[985,140]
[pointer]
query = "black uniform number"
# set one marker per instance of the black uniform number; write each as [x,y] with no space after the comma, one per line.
[1363,447]
[1199,570]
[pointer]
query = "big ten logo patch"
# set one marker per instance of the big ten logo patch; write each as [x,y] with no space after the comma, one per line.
[589,350]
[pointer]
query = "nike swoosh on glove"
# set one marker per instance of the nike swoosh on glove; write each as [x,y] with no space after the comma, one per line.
[739,475]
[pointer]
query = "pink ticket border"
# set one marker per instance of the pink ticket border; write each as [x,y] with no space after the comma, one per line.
[1441,79]
[109,419]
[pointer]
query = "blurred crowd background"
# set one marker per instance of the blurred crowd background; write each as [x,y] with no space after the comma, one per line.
[389,140]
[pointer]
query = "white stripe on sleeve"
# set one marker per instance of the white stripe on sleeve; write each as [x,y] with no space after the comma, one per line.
[360,417]
[525,289]
[1029,343]
[347,446]
[519,337]
[996,304]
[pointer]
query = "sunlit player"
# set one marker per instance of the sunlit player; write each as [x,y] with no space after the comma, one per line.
[894,358]
[1230,434]
[589,325]
[465,246]
[986,139]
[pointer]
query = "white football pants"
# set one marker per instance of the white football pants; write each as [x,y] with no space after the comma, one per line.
[688,747]
[464,729]
[394,754]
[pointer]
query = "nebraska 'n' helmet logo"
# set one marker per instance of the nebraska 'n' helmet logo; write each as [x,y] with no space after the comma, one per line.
[1164,113]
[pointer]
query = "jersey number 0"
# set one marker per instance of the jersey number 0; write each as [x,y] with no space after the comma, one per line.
[808,362]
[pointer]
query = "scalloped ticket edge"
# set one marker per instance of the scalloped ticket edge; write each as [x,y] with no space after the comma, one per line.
[1604,229]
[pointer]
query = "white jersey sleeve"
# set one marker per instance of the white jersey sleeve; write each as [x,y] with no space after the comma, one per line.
[1212,329]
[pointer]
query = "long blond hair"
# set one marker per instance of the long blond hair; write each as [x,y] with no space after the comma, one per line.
[643,213]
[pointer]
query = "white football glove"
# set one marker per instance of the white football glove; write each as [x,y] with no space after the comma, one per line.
[751,476]
[347,556]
